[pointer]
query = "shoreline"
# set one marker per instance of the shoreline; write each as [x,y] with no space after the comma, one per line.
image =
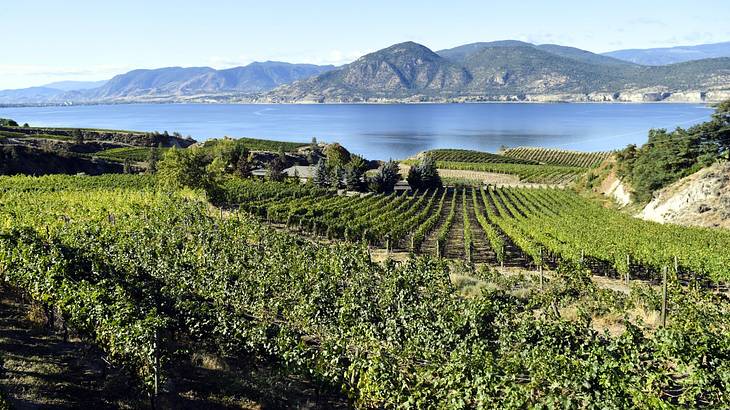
[334,103]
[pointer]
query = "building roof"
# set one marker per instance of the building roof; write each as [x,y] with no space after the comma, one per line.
[259,172]
[301,171]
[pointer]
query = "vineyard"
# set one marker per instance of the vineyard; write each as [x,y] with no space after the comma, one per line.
[150,276]
[539,174]
[534,226]
[560,157]
[137,154]
[463,155]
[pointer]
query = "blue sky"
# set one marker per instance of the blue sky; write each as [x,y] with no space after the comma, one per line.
[51,40]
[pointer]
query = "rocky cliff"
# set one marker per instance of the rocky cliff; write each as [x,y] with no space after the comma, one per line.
[701,199]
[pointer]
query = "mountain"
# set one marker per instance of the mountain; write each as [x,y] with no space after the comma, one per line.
[460,53]
[75,85]
[29,95]
[171,84]
[140,83]
[671,55]
[175,82]
[398,71]
[507,71]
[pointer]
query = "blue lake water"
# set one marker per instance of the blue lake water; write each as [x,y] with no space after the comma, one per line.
[388,131]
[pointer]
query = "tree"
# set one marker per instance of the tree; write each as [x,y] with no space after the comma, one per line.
[321,176]
[338,176]
[314,153]
[78,136]
[354,172]
[276,166]
[7,122]
[127,167]
[183,168]
[669,156]
[385,179]
[337,155]
[154,158]
[243,165]
[424,174]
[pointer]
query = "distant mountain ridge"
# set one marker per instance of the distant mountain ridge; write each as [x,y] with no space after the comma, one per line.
[506,70]
[172,84]
[75,85]
[672,55]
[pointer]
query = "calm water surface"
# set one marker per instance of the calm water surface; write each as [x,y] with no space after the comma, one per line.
[385,131]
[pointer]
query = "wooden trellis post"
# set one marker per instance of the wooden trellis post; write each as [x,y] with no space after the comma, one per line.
[628,269]
[664,297]
[541,274]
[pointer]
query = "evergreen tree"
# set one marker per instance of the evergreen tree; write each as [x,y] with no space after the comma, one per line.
[385,179]
[154,158]
[320,177]
[354,172]
[424,175]
[338,176]
[78,136]
[127,167]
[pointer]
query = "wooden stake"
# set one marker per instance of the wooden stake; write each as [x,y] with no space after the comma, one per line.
[664,297]
[541,275]
[628,269]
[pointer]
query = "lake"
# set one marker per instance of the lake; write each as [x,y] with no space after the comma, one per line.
[385,131]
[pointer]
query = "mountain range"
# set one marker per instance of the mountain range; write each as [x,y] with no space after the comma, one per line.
[507,71]
[409,72]
[169,84]
[672,55]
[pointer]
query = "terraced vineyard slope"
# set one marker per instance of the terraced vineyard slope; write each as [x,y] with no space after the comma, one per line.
[560,157]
